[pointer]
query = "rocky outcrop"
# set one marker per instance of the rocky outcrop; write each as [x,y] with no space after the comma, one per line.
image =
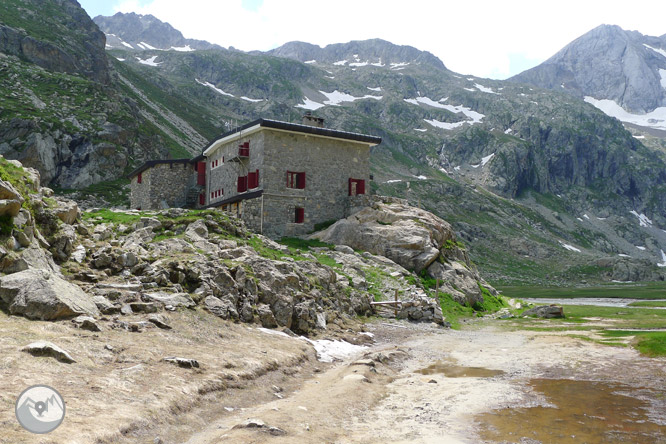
[64,39]
[415,239]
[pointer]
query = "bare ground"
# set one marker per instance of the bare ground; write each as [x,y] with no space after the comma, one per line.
[255,387]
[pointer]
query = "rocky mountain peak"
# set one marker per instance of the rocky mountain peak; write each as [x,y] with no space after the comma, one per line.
[373,51]
[145,32]
[610,63]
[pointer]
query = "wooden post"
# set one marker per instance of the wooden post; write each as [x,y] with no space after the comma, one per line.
[395,307]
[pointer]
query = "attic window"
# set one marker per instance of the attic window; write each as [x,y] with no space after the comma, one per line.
[296,180]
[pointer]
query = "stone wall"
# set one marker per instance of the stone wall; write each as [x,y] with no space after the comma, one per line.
[328,165]
[225,176]
[164,185]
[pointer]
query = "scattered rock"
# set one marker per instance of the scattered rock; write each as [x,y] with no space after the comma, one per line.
[159,321]
[67,211]
[143,307]
[44,348]
[182,362]
[173,299]
[545,311]
[260,425]
[86,323]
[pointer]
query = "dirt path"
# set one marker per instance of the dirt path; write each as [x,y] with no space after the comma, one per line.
[392,402]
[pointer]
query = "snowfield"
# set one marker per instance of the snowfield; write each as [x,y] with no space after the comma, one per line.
[653,119]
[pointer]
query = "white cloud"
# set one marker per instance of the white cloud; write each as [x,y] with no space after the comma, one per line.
[485,40]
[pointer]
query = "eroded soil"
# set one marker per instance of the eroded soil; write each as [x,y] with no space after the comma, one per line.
[415,384]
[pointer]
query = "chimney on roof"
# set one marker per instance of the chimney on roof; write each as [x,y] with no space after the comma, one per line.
[310,120]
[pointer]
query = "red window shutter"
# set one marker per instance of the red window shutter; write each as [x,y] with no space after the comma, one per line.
[299,217]
[201,173]
[139,178]
[256,178]
[360,187]
[242,184]
[252,180]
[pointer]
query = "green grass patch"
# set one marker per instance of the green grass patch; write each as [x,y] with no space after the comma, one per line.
[649,343]
[648,304]
[652,290]
[304,244]
[108,216]
[6,224]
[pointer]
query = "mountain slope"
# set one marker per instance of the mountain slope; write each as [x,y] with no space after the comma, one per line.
[608,63]
[518,170]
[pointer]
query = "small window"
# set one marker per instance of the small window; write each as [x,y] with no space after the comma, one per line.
[299,215]
[296,180]
[356,186]
[139,178]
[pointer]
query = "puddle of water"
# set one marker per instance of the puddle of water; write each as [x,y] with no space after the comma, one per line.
[457,371]
[582,412]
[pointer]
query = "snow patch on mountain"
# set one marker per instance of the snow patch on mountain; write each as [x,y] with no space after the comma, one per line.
[247,99]
[485,89]
[444,125]
[474,116]
[310,104]
[663,258]
[662,73]
[570,247]
[653,119]
[336,97]
[657,50]
[484,161]
[149,62]
[214,88]
[643,220]
[185,48]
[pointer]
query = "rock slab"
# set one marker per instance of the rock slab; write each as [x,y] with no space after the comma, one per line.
[39,294]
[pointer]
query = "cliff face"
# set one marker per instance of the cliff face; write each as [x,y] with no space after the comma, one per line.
[57,35]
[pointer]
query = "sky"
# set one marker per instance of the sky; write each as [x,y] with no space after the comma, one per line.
[485,38]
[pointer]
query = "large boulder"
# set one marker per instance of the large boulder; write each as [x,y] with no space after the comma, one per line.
[409,236]
[39,294]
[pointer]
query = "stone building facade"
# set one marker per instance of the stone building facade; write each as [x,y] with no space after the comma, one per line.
[281,178]
[162,184]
